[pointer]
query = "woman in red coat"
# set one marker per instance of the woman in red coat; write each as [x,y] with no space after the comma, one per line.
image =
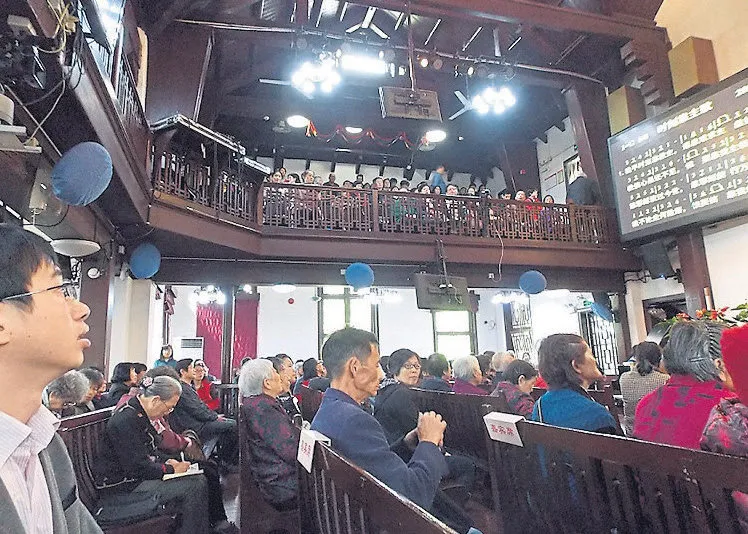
[205,387]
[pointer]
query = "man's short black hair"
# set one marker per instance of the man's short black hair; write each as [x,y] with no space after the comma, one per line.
[22,253]
[277,363]
[310,368]
[345,344]
[183,365]
[437,365]
[95,377]
[139,367]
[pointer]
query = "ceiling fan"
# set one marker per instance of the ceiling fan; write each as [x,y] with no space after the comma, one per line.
[467,105]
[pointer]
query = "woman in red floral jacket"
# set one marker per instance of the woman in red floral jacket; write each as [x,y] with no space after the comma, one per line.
[726,430]
[204,386]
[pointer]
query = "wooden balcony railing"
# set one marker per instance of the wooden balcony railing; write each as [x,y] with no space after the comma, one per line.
[188,180]
[384,213]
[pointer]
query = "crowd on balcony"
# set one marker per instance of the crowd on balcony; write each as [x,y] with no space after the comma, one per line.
[437,184]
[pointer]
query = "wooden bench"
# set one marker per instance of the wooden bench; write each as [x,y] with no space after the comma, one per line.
[83,435]
[339,498]
[257,516]
[601,396]
[310,401]
[565,480]
[464,417]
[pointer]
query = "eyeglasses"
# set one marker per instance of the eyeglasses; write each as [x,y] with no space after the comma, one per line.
[68,288]
[412,366]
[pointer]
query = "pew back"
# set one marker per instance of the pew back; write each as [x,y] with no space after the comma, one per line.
[339,498]
[464,417]
[82,435]
[573,481]
[310,401]
[601,396]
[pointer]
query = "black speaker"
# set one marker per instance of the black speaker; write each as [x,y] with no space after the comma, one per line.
[433,293]
[656,261]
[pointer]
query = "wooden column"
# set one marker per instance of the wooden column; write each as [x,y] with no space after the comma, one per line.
[588,112]
[695,271]
[227,337]
[98,294]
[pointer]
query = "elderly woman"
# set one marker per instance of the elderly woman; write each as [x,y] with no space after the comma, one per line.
[440,373]
[519,378]
[271,438]
[568,366]
[641,380]
[63,393]
[675,413]
[468,376]
[95,381]
[131,463]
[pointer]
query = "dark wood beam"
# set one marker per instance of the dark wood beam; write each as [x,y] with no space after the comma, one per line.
[167,16]
[529,12]
[301,16]
[695,271]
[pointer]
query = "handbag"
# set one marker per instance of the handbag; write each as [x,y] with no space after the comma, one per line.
[194,452]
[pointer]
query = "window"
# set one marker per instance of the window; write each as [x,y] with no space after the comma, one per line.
[454,333]
[339,307]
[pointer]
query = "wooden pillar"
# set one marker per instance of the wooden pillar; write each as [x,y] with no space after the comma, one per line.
[98,294]
[695,271]
[588,113]
[227,337]
[622,326]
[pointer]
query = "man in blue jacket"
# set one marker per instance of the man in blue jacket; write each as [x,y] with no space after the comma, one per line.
[352,360]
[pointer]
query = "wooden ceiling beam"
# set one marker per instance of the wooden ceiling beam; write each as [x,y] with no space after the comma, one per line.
[529,12]
[176,8]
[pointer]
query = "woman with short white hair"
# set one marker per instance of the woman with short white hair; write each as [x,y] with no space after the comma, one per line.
[62,394]
[271,440]
[466,371]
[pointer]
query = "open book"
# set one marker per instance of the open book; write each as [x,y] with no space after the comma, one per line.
[194,469]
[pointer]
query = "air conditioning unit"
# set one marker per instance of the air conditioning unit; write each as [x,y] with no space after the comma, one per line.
[190,347]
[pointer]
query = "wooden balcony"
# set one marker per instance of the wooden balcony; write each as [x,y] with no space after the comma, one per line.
[312,222]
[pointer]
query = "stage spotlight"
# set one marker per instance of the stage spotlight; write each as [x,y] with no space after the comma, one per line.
[363,64]
[480,105]
[424,62]
[470,70]
[481,71]
[438,63]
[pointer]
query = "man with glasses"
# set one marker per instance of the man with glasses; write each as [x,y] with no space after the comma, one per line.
[42,336]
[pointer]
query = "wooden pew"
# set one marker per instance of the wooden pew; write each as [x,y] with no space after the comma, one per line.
[82,435]
[339,498]
[602,396]
[464,417]
[310,401]
[565,480]
[257,516]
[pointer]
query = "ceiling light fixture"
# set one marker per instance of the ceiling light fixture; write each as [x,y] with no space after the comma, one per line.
[297,121]
[435,136]
[284,289]
[424,62]
[490,99]
[353,129]
[319,74]
[363,64]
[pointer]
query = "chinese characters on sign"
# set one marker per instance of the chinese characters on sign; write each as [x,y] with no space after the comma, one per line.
[305,454]
[503,427]
[685,163]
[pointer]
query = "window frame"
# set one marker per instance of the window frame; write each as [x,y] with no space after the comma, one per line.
[472,331]
[347,296]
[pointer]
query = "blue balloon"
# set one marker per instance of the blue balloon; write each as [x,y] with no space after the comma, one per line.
[145,260]
[602,311]
[532,282]
[359,275]
[82,174]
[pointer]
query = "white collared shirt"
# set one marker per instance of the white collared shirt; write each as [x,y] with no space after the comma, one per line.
[21,470]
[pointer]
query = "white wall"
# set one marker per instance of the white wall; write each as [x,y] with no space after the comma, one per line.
[120,321]
[551,157]
[136,322]
[489,322]
[553,313]
[184,321]
[403,325]
[288,328]
[727,254]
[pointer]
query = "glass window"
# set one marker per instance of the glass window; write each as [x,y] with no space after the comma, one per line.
[333,315]
[339,307]
[454,333]
[333,290]
[360,313]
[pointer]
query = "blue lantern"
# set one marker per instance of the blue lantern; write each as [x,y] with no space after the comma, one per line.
[359,275]
[532,282]
[602,311]
[82,174]
[145,260]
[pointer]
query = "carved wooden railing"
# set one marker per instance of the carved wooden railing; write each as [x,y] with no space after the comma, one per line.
[192,181]
[115,69]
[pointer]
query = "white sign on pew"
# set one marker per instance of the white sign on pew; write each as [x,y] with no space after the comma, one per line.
[503,427]
[305,454]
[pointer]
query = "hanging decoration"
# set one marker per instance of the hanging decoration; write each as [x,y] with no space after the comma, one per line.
[145,260]
[359,275]
[532,282]
[82,174]
[368,134]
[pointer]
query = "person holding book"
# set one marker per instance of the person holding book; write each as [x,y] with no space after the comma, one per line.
[131,464]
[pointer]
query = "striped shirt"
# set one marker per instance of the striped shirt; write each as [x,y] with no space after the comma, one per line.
[21,470]
[633,388]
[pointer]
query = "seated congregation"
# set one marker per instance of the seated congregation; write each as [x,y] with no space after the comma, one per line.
[150,452]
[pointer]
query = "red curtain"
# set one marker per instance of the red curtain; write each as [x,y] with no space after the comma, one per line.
[245,329]
[210,327]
